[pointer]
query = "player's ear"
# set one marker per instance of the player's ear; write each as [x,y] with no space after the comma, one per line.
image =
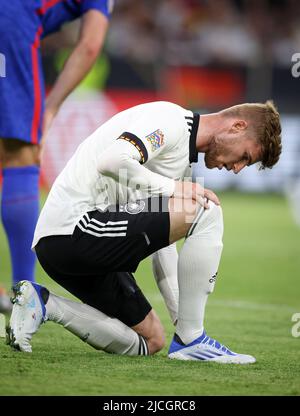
[239,125]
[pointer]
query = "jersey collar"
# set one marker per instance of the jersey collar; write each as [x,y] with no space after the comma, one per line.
[193,155]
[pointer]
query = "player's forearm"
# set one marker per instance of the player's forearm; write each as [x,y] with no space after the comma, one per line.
[164,264]
[76,68]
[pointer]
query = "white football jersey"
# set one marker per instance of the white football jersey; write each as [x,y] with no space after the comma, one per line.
[139,151]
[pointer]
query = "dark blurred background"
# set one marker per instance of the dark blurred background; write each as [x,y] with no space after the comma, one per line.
[200,53]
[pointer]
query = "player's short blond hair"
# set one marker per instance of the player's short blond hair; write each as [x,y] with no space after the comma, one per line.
[264,122]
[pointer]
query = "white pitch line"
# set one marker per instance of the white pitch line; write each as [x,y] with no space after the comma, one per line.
[254,306]
[241,304]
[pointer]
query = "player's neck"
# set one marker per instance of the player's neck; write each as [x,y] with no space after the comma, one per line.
[208,126]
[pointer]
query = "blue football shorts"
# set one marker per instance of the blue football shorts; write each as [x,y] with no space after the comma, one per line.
[22,86]
[22,25]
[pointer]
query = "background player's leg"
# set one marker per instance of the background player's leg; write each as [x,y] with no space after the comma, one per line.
[20,204]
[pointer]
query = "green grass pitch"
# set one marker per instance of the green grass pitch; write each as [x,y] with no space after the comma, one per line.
[251,310]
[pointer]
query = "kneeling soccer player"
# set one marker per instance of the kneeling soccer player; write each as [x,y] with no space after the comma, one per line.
[90,236]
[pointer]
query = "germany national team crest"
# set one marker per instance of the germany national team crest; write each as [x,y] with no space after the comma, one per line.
[156,139]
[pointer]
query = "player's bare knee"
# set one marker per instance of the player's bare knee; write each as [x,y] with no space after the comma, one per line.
[16,153]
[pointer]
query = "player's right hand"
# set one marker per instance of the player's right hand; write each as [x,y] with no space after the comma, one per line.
[190,190]
[211,196]
[193,190]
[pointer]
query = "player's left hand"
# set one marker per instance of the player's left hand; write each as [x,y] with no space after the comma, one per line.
[211,196]
[49,115]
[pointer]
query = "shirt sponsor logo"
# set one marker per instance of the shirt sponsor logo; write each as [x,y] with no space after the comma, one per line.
[156,139]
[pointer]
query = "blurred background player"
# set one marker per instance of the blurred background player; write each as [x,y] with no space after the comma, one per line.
[25,117]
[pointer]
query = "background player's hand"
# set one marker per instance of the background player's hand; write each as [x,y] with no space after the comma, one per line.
[49,115]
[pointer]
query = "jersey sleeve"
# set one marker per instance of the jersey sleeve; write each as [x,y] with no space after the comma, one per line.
[104,6]
[121,161]
[154,131]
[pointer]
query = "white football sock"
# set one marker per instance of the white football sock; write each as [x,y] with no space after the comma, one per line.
[94,327]
[197,268]
[164,264]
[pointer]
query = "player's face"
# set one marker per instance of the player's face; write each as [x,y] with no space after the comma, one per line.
[232,153]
